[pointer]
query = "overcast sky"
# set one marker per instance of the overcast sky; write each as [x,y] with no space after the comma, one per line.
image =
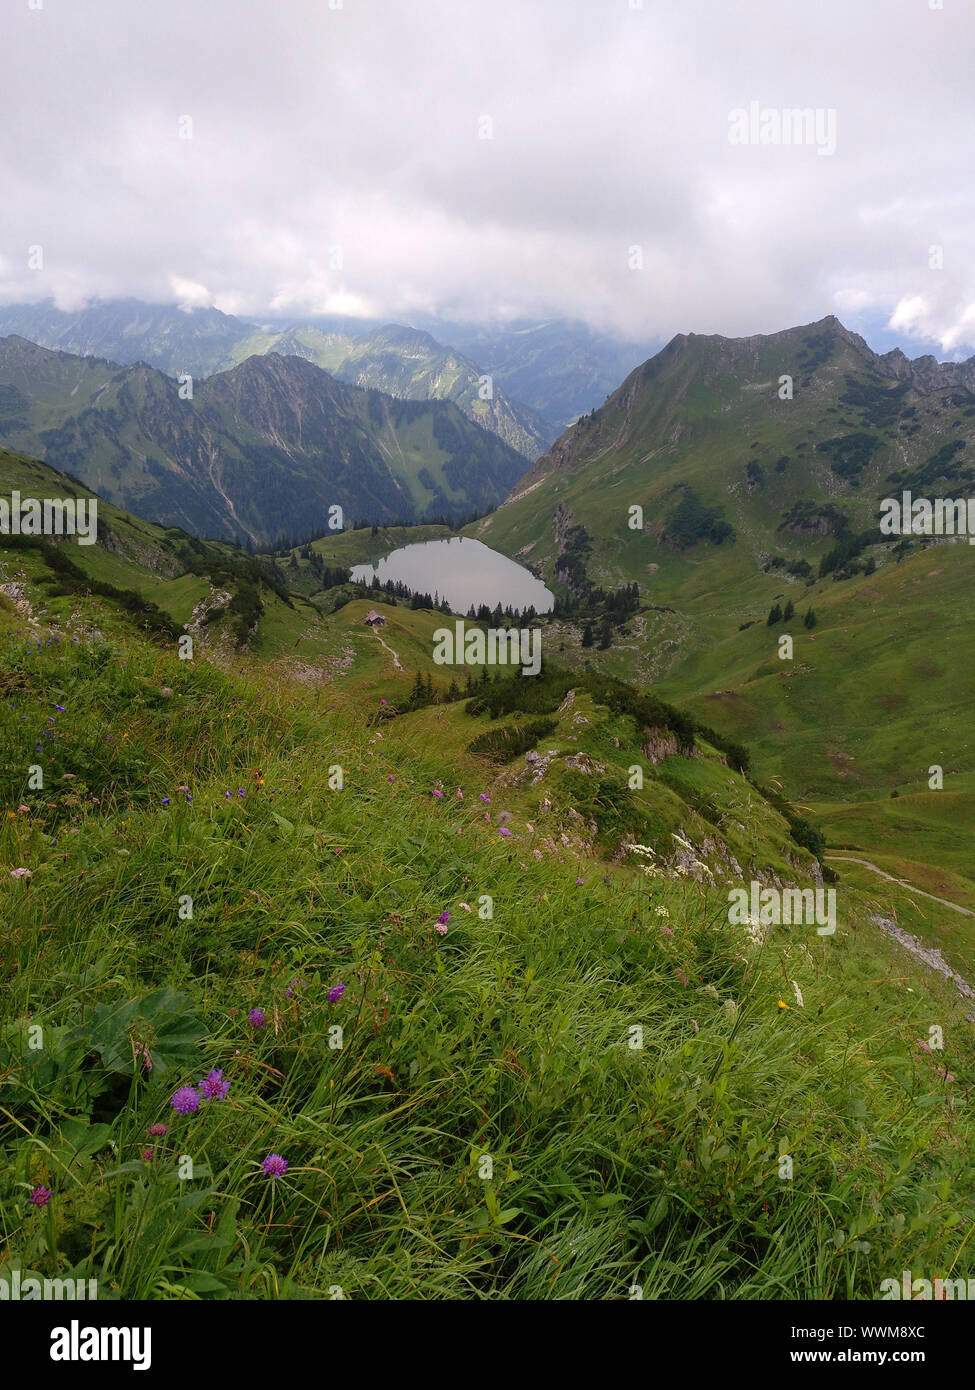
[360,127]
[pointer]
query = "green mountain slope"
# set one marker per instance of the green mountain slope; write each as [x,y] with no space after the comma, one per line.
[752,502]
[259,452]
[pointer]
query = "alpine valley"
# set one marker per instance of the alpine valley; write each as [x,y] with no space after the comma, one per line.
[509,894]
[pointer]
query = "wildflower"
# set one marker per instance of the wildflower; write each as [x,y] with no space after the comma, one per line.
[147,1155]
[389,778]
[466,906]
[460,794]
[504,831]
[382,702]
[580,880]
[40,1196]
[256,1018]
[436,792]
[20,873]
[60,708]
[165,801]
[213,1086]
[696,1028]
[335,993]
[662,912]
[158,1129]
[290,991]
[185,1100]
[444,916]
[485,797]
[666,930]
[274,1166]
[24,810]
[782,1004]
[441,928]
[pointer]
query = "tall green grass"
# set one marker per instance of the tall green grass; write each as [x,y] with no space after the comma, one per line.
[488,1127]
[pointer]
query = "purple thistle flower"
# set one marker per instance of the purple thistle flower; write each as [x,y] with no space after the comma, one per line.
[274,1166]
[335,993]
[40,1196]
[185,1100]
[213,1086]
[504,831]
[158,1129]
[256,1018]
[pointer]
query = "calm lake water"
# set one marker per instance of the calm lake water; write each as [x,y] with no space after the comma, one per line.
[463,571]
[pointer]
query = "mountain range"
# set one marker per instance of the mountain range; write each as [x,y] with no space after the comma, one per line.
[543,375]
[261,451]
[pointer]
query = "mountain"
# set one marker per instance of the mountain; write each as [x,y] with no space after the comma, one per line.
[128,331]
[399,361]
[752,503]
[561,368]
[545,375]
[412,365]
[261,451]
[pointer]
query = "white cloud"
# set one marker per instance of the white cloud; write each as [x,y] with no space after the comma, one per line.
[357,128]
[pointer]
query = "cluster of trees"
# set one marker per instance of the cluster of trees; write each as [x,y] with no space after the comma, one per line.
[691,521]
[783,615]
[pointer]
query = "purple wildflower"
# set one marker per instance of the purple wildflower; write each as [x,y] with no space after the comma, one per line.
[256,1018]
[274,1166]
[444,916]
[158,1129]
[185,1100]
[485,797]
[213,1086]
[335,993]
[504,831]
[437,793]
[165,801]
[60,707]
[40,1196]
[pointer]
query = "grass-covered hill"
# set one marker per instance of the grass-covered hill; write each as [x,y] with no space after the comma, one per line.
[760,520]
[265,450]
[433,1031]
